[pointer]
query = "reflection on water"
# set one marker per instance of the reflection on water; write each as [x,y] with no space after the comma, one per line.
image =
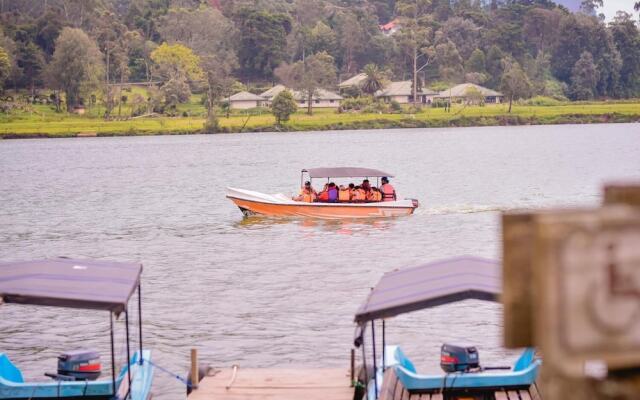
[264,292]
[344,227]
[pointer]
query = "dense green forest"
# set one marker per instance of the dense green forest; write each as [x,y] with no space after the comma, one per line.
[85,48]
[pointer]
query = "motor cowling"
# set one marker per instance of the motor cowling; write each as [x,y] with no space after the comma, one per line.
[80,365]
[458,358]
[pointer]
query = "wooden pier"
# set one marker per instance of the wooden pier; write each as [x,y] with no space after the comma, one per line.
[276,383]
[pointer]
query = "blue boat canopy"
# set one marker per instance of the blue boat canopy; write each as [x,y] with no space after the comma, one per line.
[346,172]
[64,282]
[431,285]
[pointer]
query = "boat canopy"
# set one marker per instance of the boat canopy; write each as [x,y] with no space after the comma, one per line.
[64,282]
[345,172]
[430,285]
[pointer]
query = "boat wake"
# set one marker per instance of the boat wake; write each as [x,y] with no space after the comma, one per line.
[472,209]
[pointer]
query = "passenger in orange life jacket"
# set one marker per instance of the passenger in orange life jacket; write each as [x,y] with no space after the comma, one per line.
[344,194]
[359,195]
[307,193]
[366,186]
[374,195]
[388,191]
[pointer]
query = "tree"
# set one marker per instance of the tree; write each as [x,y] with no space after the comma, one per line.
[584,77]
[590,6]
[176,61]
[176,65]
[627,40]
[514,83]
[263,40]
[374,79]
[308,76]
[448,60]
[5,67]
[414,37]
[31,62]
[464,34]
[76,65]
[282,106]
[213,38]
[494,65]
[579,33]
[476,62]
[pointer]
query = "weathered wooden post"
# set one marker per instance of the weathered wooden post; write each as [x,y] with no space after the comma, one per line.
[353,367]
[572,289]
[194,373]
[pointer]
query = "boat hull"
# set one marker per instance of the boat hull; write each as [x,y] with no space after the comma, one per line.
[253,203]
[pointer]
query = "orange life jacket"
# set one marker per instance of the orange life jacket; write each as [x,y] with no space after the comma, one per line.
[307,196]
[359,195]
[323,196]
[388,192]
[375,196]
[344,195]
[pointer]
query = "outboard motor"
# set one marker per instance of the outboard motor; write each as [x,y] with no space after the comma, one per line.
[457,358]
[80,365]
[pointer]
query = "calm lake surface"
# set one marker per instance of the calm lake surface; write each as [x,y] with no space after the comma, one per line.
[262,292]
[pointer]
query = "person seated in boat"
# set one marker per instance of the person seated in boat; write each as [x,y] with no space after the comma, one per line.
[366,186]
[344,194]
[332,190]
[307,193]
[388,191]
[359,195]
[374,195]
[323,196]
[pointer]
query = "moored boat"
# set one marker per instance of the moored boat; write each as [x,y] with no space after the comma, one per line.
[393,375]
[87,285]
[278,205]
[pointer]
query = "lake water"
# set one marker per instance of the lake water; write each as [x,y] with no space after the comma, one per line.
[262,292]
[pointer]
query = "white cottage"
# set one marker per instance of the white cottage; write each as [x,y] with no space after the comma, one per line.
[321,99]
[245,100]
[461,91]
[402,93]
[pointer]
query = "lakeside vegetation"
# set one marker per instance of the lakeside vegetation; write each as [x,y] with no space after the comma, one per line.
[42,121]
[80,55]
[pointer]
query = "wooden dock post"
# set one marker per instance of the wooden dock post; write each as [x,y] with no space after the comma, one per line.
[194,373]
[353,367]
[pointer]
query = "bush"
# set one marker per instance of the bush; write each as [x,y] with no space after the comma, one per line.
[282,106]
[395,106]
[377,107]
[355,103]
[212,125]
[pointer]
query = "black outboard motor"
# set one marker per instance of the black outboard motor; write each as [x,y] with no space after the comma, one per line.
[456,358]
[80,365]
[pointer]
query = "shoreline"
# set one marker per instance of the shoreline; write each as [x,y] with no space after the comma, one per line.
[84,127]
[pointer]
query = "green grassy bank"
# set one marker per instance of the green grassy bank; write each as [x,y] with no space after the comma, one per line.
[42,122]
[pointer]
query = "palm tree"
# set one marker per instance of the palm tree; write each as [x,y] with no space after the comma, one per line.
[637,6]
[374,80]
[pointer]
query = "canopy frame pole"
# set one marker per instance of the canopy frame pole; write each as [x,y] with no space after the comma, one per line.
[364,363]
[113,355]
[384,347]
[373,344]
[140,319]
[126,319]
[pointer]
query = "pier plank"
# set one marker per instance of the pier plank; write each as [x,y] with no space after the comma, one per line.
[284,384]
